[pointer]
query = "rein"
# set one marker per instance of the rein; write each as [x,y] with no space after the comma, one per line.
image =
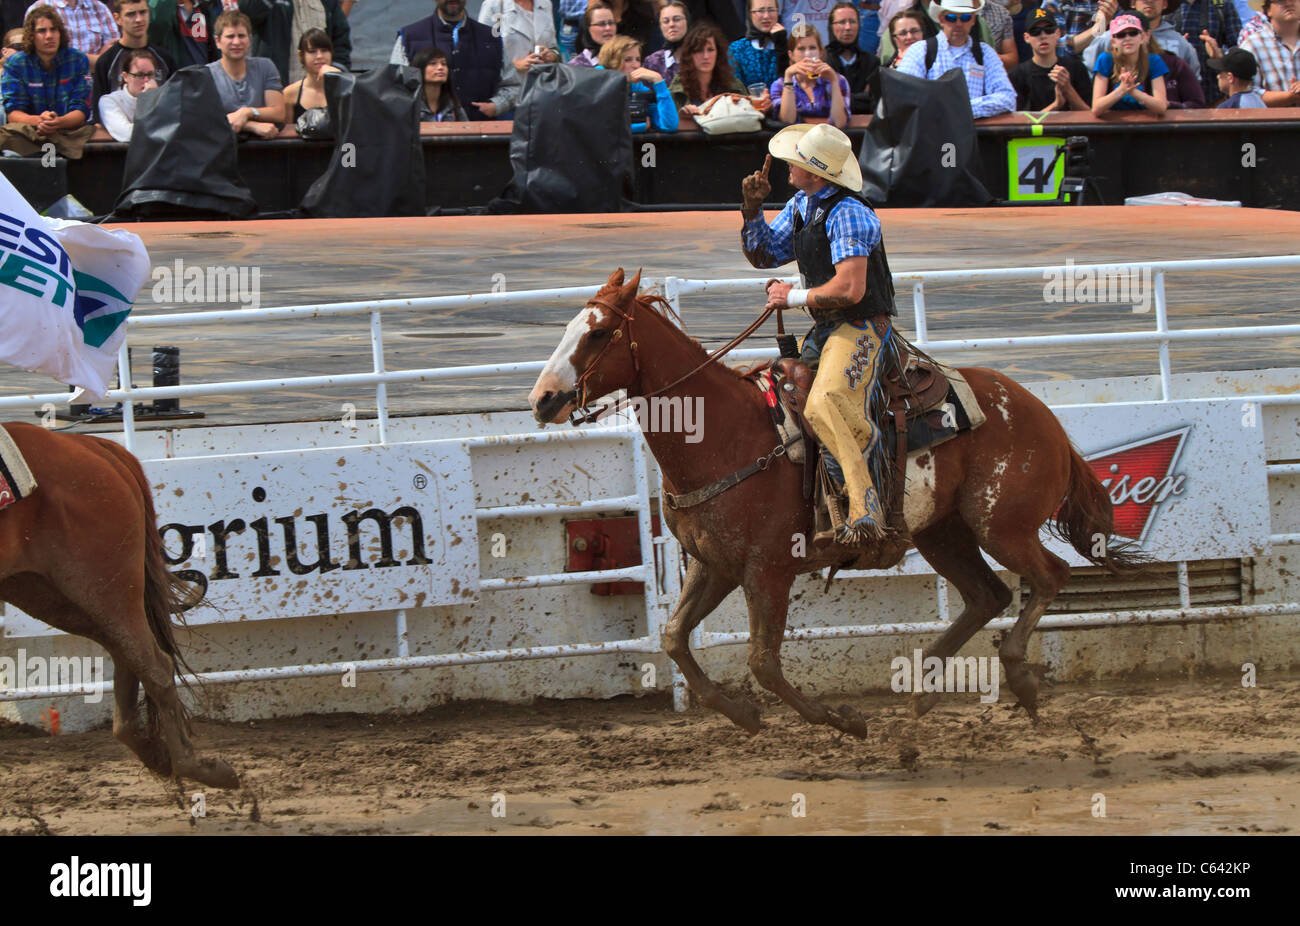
[583,414]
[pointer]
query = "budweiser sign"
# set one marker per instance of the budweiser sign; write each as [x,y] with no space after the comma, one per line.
[1140,477]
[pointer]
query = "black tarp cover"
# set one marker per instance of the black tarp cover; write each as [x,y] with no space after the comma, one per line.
[377,167]
[920,148]
[182,153]
[572,144]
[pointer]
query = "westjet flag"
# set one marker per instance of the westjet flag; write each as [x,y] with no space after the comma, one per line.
[65,293]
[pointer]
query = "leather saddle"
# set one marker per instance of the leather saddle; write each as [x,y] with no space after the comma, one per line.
[918,390]
[922,410]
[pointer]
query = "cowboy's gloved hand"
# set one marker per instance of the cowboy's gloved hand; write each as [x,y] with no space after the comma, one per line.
[755,189]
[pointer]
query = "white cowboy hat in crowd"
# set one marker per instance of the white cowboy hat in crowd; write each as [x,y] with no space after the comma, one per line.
[819,149]
[939,7]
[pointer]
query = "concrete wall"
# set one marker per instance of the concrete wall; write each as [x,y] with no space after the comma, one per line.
[519,618]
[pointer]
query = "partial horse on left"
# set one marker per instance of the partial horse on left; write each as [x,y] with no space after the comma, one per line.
[83,554]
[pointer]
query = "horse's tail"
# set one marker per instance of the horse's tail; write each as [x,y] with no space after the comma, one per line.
[1086,521]
[165,595]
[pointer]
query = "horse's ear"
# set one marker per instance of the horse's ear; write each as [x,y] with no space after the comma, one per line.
[630,290]
[616,278]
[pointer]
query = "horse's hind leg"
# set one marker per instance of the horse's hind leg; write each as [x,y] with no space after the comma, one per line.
[951,548]
[1046,574]
[768,597]
[128,728]
[160,687]
[701,593]
[123,629]
[38,597]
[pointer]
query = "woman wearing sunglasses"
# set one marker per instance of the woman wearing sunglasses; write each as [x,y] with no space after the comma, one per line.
[1129,76]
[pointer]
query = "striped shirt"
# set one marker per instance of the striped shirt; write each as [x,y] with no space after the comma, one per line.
[89,23]
[1279,66]
[853,229]
[989,88]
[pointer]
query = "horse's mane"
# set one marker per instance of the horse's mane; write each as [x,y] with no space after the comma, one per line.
[662,309]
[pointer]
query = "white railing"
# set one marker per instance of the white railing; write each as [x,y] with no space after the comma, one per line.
[659,596]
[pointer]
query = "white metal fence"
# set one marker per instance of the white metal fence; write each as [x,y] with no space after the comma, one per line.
[662,585]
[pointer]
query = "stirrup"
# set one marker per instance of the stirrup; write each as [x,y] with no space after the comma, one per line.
[863,534]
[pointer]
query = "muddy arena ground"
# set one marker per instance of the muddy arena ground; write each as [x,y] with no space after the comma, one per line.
[1200,757]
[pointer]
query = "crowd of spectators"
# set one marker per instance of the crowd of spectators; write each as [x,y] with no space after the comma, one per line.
[72,64]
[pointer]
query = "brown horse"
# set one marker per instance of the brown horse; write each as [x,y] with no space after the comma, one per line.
[991,488]
[82,553]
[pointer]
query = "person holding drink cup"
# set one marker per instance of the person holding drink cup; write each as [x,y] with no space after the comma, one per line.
[811,87]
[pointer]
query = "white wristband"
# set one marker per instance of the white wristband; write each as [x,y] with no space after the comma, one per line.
[796,298]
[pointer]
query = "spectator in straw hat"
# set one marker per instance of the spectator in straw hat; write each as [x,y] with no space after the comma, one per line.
[835,235]
[986,78]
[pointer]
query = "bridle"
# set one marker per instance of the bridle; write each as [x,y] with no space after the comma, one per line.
[583,414]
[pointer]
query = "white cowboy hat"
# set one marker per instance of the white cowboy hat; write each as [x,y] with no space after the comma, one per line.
[819,149]
[939,7]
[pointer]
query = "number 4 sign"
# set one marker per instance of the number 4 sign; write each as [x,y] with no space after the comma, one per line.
[1034,169]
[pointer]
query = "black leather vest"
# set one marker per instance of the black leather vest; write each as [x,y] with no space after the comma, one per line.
[812,249]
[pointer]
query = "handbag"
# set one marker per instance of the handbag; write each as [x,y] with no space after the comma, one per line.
[728,113]
[315,124]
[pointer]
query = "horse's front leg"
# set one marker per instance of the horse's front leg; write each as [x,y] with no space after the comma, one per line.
[768,597]
[703,591]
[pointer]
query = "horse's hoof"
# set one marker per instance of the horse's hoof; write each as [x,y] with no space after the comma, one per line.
[851,721]
[217,774]
[921,703]
[745,715]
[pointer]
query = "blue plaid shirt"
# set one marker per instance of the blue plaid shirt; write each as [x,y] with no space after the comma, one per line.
[29,88]
[988,85]
[1221,21]
[853,230]
[1072,17]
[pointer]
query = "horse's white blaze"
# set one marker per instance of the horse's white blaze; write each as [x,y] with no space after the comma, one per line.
[560,375]
[918,495]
